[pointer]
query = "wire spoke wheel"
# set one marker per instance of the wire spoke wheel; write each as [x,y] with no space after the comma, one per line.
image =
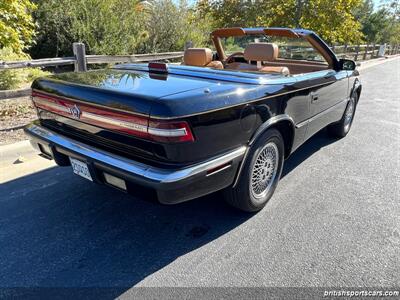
[264,171]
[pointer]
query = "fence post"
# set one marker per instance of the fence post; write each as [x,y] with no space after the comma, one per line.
[365,52]
[373,51]
[382,50]
[357,50]
[80,56]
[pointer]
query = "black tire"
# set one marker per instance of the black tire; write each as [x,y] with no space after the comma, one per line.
[242,196]
[342,128]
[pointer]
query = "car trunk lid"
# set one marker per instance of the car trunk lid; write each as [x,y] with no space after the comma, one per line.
[111,109]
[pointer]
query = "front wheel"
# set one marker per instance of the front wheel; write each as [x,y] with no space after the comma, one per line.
[260,173]
[342,128]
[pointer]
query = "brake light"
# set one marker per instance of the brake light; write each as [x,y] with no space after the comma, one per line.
[158,67]
[128,123]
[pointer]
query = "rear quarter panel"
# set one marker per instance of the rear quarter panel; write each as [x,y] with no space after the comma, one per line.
[228,116]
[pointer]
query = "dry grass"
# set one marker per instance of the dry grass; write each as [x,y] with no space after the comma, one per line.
[19,110]
[14,114]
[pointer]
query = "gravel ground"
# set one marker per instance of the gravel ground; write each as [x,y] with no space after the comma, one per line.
[14,114]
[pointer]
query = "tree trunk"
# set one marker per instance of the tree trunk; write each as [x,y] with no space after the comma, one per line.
[299,11]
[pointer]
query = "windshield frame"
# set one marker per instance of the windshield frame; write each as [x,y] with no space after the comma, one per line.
[315,42]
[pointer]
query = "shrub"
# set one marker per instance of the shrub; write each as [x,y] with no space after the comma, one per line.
[13,79]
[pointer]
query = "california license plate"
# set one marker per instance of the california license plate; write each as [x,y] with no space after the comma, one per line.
[80,168]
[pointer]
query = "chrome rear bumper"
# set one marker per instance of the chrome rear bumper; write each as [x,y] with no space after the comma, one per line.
[170,185]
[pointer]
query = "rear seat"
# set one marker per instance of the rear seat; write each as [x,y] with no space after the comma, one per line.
[260,52]
[200,57]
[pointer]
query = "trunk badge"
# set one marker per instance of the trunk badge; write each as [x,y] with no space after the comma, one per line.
[75,111]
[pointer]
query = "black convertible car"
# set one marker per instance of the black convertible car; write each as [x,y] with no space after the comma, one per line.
[222,120]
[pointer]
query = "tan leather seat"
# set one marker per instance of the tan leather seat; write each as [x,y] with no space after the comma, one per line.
[260,52]
[200,57]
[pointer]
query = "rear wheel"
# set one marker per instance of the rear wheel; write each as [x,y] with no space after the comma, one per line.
[342,128]
[260,173]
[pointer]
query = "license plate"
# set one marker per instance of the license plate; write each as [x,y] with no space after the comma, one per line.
[80,168]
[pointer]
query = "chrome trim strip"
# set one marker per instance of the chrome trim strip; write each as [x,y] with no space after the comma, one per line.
[52,105]
[148,174]
[241,167]
[115,122]
[301,124]
[89,103]
[321,114]
[219,170]
[92,116]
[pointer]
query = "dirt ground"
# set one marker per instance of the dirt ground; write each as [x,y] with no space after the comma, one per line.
[14,114]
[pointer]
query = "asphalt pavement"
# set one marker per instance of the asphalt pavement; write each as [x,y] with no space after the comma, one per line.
[334,220]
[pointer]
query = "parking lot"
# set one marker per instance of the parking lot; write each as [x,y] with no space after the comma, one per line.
[333,221]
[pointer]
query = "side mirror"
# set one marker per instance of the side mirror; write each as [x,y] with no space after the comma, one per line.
[347,64]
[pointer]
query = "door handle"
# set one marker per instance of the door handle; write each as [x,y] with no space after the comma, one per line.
[314,97]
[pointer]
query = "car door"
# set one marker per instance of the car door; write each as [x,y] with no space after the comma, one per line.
[327,96]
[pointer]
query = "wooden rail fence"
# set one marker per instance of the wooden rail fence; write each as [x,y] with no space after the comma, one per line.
[80,60]
[364,52]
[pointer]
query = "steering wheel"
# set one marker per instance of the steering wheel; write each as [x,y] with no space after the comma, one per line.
[230,58]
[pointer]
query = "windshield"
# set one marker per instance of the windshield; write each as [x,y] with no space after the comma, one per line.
[289,48]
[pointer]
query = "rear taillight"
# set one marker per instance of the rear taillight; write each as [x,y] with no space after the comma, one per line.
[170,131]
[141,126]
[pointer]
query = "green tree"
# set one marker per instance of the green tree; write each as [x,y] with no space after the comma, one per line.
[232,13]
[382,25]
[106,27]
[332,19]
[391,32]
[16,24]
[54,37]
[169,25]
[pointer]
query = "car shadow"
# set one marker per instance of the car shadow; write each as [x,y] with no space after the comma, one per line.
[59,230]
[315,143]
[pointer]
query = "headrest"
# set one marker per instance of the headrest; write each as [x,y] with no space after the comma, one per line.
[261,52]
[197,57]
